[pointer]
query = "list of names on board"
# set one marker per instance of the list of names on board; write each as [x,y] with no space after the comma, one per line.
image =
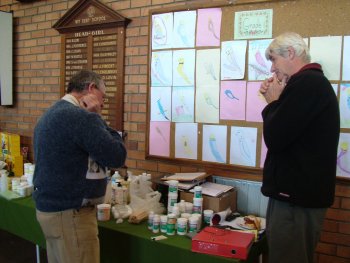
[96,50]
[104,62]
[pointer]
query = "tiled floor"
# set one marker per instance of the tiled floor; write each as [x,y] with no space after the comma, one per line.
[17,250]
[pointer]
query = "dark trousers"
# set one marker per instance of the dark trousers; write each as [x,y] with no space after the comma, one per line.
[292,232]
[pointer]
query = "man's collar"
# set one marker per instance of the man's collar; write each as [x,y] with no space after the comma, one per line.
[71,99]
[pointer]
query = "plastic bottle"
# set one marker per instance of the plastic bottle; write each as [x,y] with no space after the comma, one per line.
[182,226]
[198,192]
[182,206]
[150,220]
[193,224]
[4,181]
[197,205]
[172,200]
[170,227]
[119,193]
[116,176]
[199,221]
[156,222]
[207,216]
[176,211]
[173,186]
[163,223]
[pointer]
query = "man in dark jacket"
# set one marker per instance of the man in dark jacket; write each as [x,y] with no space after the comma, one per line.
[70,139]
[301,132]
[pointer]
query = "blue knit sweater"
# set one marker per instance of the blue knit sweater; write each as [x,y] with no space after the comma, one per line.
[64,138]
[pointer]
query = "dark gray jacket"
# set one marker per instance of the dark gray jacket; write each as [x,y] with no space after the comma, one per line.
[64,138]
[301,132]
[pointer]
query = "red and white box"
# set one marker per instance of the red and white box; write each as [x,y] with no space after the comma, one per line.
[223,242]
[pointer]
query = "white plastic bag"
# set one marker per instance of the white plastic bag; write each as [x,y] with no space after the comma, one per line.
[142,196]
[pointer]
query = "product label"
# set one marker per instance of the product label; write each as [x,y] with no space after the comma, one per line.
[170,229]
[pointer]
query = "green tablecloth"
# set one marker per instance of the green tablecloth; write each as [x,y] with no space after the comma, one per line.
[124,242]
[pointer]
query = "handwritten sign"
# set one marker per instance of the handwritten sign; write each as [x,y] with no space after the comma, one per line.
[253,24]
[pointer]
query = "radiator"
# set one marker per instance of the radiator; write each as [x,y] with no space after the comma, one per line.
[249,198]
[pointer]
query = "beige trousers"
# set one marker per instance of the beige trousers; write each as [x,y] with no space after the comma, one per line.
[71,235]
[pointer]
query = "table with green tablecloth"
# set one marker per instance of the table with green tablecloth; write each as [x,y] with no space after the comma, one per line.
[119,242]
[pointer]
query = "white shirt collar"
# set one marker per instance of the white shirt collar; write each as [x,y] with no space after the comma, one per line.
[70,98]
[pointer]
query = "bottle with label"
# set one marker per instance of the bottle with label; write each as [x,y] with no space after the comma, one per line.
[118,192]
[4,181]
[170,228]
[156,224]
[116,176]
[150,220]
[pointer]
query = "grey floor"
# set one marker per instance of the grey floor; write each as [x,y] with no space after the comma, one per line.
[16,250]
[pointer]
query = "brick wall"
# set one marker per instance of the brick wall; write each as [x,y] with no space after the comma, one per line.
[36,85]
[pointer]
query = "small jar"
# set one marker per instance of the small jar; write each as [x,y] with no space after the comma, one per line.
[156,222]
[199,221]
[182,226]
[150,220]
[193,224]
[172,200]
[197,205]
[170,227]
[208,214]
[188,207]
[163,223]
[182,206]
[198,192]
[173,184]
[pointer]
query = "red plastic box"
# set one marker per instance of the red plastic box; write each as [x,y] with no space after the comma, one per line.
[223,242]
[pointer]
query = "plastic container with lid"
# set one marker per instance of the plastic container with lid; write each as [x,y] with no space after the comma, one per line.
[173,184]
[197,205]
[182,226]
[193,224]
[150,220]
[115,177]
[156,223]
[170,227]
[163,223]
[208,214]
[198,192]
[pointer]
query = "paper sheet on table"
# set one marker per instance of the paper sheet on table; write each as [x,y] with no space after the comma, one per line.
[213,189]
[186,176]
[9,195]
[188,185]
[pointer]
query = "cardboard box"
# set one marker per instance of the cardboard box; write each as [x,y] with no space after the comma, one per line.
[4,143]
[223,242]
[16,163]
[217,204]
[10,144]
[14,144]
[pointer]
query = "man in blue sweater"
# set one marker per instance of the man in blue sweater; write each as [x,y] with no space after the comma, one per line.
[72,148]
[301,132]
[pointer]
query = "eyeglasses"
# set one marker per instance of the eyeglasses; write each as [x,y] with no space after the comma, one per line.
[104,97]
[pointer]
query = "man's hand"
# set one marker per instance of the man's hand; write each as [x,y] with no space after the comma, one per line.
[91,103]
[272,88]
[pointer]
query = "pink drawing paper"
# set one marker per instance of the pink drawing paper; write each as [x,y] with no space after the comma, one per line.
[263,152]
[232,100]
[209,27]
[255,102]
[159,138]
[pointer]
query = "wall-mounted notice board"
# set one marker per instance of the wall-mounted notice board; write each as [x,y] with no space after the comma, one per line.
[6,59]
[206,63]
[93,38]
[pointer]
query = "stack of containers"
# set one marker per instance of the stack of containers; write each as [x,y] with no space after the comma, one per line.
[172,195]
[29,172]
[182,217]
[197,200]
